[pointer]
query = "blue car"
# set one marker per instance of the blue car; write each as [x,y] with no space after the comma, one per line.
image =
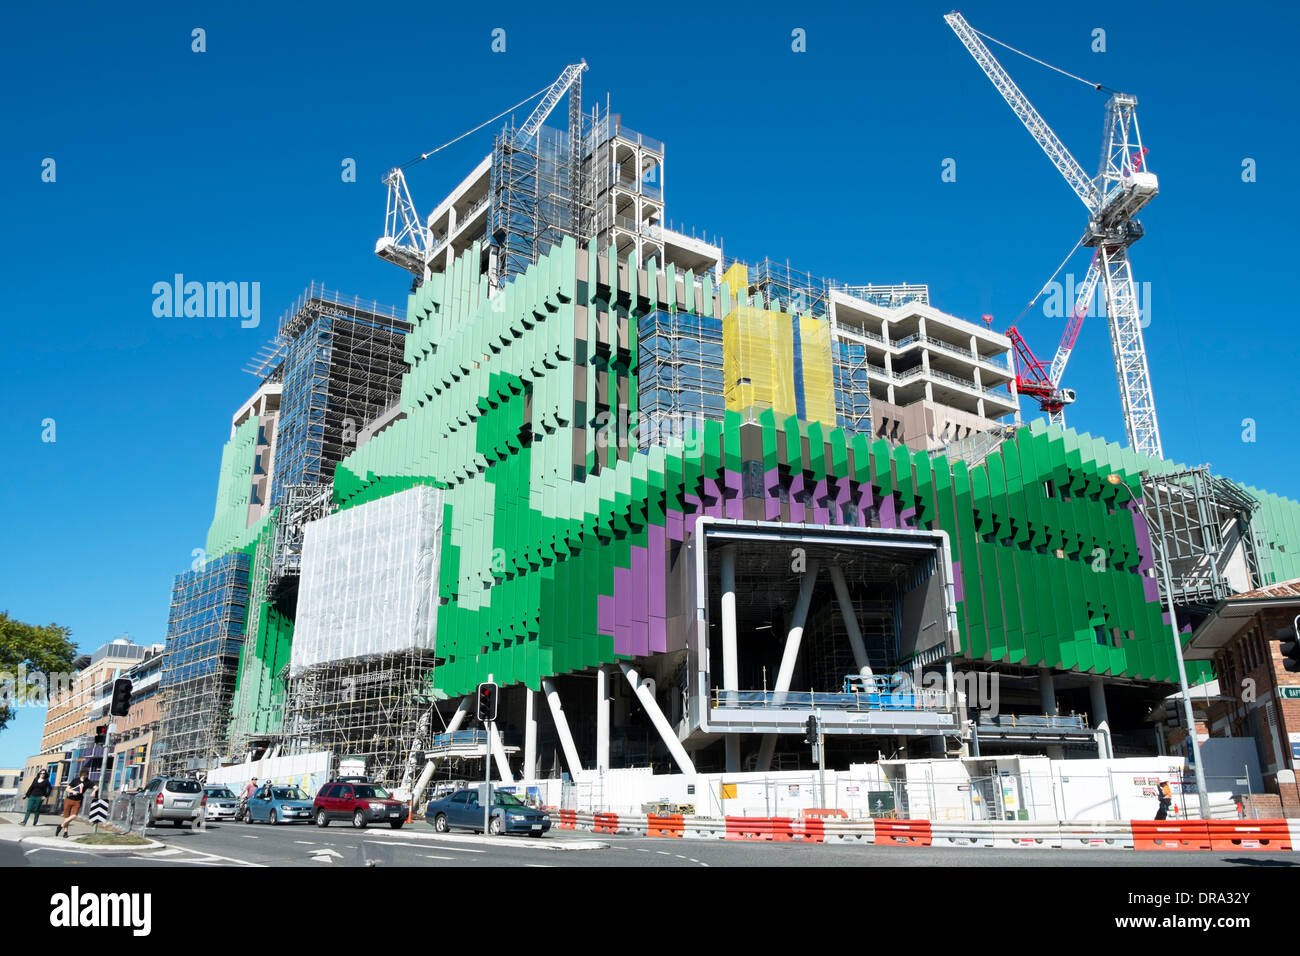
[462,808]
[278,805]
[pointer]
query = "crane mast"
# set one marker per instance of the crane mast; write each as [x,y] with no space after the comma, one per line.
[1122,187]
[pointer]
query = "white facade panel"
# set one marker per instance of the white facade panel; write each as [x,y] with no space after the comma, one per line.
[370,580]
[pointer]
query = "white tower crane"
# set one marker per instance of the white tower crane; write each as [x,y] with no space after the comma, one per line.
[406,240]
[1113,198]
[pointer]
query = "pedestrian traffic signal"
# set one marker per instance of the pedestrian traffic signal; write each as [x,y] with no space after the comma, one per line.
[1290,639]
[101,733]
[121,704]
[487,701]
[811,736]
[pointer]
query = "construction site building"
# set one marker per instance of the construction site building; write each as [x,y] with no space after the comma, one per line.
[612,454]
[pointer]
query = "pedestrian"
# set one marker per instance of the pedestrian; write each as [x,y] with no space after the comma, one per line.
[36,794]
[250,789]
[72,797]
[1165,793]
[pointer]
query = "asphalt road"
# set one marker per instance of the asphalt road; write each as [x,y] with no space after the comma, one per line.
[233,844]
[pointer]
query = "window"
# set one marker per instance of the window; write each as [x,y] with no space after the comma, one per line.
[460,796]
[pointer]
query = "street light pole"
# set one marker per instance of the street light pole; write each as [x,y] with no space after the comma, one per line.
[1201,793]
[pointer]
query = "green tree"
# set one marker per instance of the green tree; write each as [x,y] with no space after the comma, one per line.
[46,649]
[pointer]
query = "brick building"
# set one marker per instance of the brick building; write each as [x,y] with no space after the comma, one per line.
[1258,697]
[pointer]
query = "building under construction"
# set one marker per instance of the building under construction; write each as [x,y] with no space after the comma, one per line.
[595,452]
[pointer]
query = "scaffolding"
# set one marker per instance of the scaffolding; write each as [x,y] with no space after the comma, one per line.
[1201,525]
[343,366]
[679,375]
[369,707]
[205,631]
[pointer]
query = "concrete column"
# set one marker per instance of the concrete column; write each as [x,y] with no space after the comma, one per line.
[790,656]
[730,662]
[458,718]
[1100,720]
[499,754]
[732,742]
[850,620]
[530,734]
[602,719]
[1046,692]
[562,729]
[651,707]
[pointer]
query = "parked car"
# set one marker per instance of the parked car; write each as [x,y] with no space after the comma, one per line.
[278,805]
[222,804]
[463,809]
[362,803]
[177,799]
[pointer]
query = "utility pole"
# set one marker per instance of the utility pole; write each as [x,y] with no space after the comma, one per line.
[821,755]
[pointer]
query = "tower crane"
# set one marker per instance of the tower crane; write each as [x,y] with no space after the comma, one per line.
[1122,187]
[406,241]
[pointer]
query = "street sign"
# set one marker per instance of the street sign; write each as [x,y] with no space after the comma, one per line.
[98,811]
[1292,693]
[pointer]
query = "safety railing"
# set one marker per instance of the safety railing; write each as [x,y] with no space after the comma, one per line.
[855,702]
[1034,721]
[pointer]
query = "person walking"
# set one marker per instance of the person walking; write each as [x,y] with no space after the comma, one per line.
[76,792]
[36,794]
[1165,793]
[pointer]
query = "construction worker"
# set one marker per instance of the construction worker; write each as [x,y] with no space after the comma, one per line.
[1166,795]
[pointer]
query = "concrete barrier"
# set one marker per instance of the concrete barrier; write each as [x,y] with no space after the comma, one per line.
[961,833]
[1025,834]
[1097,835]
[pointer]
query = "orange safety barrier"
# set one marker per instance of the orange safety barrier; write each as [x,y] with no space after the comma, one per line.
[1250,835]
[1170,835]
[606,823]
[903,832]
[664,825]
[778,829]
[820,812]
[568,820]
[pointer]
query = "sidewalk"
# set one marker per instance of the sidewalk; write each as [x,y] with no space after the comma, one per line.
[42,834]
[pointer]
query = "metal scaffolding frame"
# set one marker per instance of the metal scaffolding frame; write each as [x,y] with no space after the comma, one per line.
[205,631]
[368,707]
[1197,521]
[343,367]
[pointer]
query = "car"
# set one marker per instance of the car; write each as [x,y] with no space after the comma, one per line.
[275,804]
[222,804]
[362,803]
[464,809]
[176,799]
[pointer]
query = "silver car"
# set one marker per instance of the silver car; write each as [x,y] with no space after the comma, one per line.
[171,798]
[222,803]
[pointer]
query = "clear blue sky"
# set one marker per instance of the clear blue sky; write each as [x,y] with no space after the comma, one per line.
[225,166]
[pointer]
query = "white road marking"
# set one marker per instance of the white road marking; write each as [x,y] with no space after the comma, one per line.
[430,856]
[538,864]
[305,842]
[639,850]
[663,852]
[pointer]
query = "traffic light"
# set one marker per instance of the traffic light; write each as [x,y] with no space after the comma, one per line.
[101,733]
[487,701]
[1290,639]
[810,737]
[121,705]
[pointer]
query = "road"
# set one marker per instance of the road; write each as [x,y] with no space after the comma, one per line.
[416,845]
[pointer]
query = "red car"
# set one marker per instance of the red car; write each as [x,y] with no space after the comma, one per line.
[361,803]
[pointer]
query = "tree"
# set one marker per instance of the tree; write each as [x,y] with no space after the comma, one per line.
[46,650]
